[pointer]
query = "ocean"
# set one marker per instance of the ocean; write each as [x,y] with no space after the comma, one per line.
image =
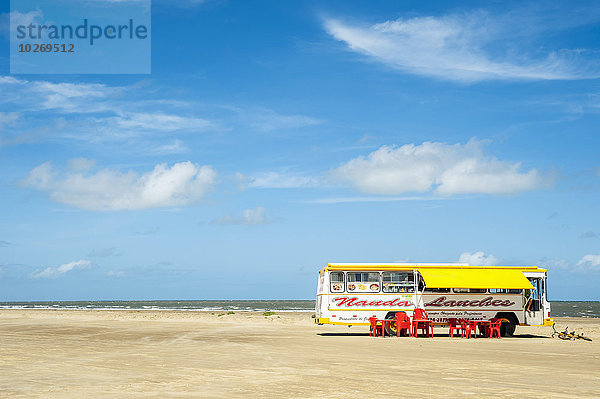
[197,305]
[559,308]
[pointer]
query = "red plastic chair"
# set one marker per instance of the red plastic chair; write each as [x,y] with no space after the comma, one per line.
[484,328]
[403,324]
[421,321]
[466,328]
[464,324]
[376,328]
[458,327]
[495,327]
[472,329]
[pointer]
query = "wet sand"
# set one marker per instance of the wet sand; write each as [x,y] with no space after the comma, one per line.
[160,354]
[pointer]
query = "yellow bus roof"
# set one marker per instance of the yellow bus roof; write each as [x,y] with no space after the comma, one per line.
[419,266]
[509,278]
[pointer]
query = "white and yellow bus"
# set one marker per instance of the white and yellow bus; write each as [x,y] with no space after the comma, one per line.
[350,293]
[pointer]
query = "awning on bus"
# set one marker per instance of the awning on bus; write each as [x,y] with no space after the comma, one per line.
[475,278]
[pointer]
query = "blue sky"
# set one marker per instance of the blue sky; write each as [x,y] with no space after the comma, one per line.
[273,137]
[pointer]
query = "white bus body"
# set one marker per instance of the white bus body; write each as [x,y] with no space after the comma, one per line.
[349,294]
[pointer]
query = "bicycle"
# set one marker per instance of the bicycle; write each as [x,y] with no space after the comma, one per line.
[566,335]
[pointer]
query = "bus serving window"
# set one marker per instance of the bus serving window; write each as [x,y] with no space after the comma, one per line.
[363,281]
[398,282]
[337,281]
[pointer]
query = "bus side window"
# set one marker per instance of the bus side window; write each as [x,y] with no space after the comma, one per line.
[363,281]
[460,290]
[398,282]
[469,290]
[477,290]
[427,289]
[337,281]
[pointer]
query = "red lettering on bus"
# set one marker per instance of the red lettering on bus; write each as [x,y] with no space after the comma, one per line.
[488,301]
[348,302]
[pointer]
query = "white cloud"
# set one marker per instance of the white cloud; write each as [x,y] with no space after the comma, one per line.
[280,180]
[456,47]
[175,147]
[95,112]
[478,259]
[556,264]
[62,95]
[256,216]
[113,273]
[445,169]
[267,121]
[158,121]
[591,262]
[588,263]
[183,183]
[8,118]
[67,98]
[6,80]
[341,200]
[51,272]
[81,164]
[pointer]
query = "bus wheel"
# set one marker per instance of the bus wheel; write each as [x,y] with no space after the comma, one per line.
[507,328]
[509,324]
[390,328]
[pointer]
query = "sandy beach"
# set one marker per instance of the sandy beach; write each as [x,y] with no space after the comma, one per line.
[161,354]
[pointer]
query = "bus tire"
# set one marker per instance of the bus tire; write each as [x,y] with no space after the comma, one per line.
[509,324]
[390,328]
[508,329]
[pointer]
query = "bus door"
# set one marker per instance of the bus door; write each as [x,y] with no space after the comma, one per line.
[419,289]
[534,309]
